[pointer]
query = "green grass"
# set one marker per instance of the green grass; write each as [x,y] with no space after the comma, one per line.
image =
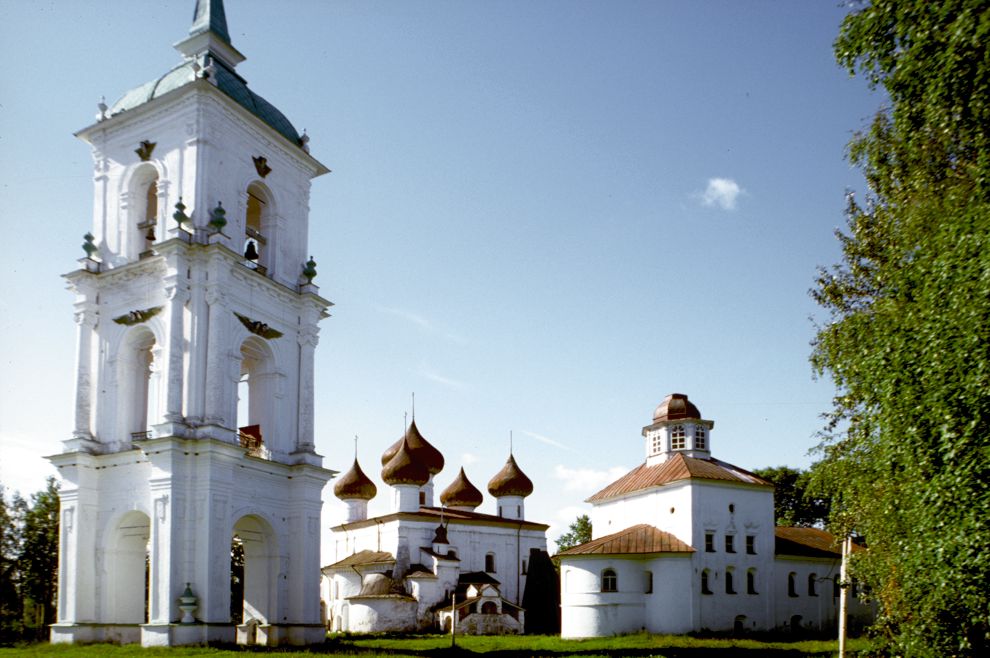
[437,646]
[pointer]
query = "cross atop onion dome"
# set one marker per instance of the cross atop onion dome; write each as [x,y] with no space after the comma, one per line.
[421,449]
[510,481]
[355,485]
[404,468]
[461,493]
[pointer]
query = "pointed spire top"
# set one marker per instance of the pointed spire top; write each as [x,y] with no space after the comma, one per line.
[209,34]
[209,16]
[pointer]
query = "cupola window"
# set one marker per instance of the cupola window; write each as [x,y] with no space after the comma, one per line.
[677,437]
[700,437]
[656,443]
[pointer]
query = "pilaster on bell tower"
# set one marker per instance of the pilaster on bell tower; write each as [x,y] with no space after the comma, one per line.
[197,325]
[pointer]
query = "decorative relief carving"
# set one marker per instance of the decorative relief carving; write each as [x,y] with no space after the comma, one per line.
[137,317]
[68,515]
[145,150]
[261,165]
[259,328]
[161,507]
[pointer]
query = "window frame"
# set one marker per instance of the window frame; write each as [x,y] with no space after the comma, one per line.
[609,581]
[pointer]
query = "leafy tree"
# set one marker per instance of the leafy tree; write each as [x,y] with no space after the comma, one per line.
[38,560]
[578,532]
[794,503]
[11,611]
[906,452]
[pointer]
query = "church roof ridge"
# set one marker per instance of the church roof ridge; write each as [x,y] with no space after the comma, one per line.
[638,539]
[677,468]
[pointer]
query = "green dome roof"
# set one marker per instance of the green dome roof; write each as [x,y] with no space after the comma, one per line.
[226,80]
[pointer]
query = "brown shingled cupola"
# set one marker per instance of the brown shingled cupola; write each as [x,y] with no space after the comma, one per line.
[461,494]
[354,484]
[675,406]
[422,450]
[405,468]
[510,486]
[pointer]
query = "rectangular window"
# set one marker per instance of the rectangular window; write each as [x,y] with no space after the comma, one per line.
[677,441]
[750,544]
[699,437]
[709,542]
[524,565]
[656,443]
[730,544]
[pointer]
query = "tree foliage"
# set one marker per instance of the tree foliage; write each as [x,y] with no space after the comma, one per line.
[577,533]
[794,502]
[906,452]
[28,564]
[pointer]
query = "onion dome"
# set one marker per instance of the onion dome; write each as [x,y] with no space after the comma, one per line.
[510,481]
[404,468]
[422,450]
[461,493]
[354,484]
[676,406]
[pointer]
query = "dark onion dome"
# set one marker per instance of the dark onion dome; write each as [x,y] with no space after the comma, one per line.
[355,484]
[422,449]
[461,493]
[676,406]
[404,468]
[510,481]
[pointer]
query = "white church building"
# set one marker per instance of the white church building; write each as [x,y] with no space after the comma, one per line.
[413,568]
[687,543]
[197,324]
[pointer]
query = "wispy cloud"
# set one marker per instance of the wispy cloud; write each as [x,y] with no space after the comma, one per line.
[544,439]
[440,379]
[587,480]
[424,323]
[721,192]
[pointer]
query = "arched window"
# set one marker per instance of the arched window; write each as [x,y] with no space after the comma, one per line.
[258,229]
[139,231]
[730,586]
[256,396]
[792,584]
[700,436]
[489,608]
[648,582]
[812,584]
[705,588]
[677,440]
[610,582]
[751,581]
[137,386]
[739,624]
[490,563]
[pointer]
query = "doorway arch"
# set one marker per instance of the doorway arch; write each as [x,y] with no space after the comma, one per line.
[258,587]
[127,569]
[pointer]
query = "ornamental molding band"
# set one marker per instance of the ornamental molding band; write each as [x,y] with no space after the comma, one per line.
[261,165]
[144,151]
[259,328]
[137,317]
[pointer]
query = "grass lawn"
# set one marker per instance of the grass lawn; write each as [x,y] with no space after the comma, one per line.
[436,646]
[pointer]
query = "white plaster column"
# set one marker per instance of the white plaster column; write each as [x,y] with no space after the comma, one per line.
[177,295]
[198,336]
[86,319]
[217,357]
[308,340]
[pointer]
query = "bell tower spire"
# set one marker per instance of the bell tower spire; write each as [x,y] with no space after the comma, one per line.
[209,34]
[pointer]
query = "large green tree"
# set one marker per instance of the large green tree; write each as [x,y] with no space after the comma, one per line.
[38,560]
[795,503]
[579,532]
[906,454]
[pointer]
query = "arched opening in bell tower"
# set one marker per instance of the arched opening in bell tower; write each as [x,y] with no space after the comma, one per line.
[254,573]
[137,385]
[256,396]
[140,232]
[259,231]
[126,561]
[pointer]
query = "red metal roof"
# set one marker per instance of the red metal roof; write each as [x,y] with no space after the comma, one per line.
[678,467]
[813,542]
[363,558]
[638,539]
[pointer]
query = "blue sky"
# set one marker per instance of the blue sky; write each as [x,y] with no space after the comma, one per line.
[543,217]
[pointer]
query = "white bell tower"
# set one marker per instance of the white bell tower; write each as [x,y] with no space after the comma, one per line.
[197,325]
